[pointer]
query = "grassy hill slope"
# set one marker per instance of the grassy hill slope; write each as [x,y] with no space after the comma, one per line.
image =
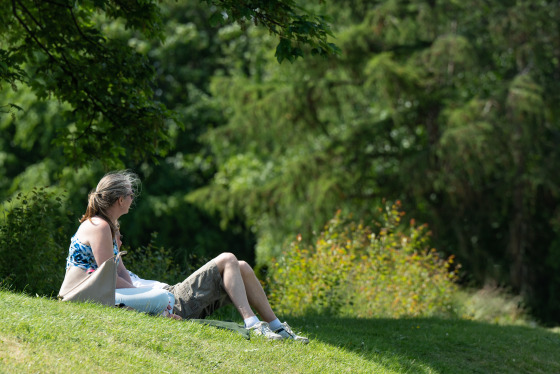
[43,335]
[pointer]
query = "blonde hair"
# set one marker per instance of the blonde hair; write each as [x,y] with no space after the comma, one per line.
[113,185]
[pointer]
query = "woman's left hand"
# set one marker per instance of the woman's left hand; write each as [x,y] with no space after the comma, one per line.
[174,316]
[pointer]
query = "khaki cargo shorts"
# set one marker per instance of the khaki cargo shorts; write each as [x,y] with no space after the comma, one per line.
[200,294]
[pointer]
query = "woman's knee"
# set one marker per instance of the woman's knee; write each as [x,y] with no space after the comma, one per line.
[224,259]
[245,268]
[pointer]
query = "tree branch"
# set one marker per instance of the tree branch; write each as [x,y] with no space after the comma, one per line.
[57,4]
[93,100]
[81,33]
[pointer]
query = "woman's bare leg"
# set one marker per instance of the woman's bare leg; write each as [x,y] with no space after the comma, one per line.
[243,287]
[233,283]
[255,293]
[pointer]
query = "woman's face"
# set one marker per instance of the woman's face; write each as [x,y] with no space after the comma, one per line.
[127,200]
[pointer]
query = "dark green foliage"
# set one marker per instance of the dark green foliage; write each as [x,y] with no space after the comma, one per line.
[297,29]
[193,52]
[184,65]
[33,242]
[60,50]
[156,263]
[449,106]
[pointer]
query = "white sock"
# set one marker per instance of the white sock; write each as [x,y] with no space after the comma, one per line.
[251,321]
[275,325]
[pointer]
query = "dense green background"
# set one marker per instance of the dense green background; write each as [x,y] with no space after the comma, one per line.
[449,106]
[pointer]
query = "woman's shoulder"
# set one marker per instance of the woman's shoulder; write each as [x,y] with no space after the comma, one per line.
[91,228]
[95,223]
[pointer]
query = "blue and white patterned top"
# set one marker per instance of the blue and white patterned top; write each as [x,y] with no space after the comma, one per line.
[81,255]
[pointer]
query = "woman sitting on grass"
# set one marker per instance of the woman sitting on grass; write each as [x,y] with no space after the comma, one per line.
[221,281]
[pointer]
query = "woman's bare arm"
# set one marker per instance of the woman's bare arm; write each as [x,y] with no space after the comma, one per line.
[123,278]
[98,235]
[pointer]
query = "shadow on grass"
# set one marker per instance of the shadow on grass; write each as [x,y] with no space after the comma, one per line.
[440,345]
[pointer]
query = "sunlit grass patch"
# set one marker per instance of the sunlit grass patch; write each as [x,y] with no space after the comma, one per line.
[44,335]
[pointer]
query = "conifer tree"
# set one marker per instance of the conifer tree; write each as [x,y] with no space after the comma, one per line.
[449,106]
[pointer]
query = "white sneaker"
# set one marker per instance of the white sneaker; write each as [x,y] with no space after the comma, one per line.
[286,333]
[262,328]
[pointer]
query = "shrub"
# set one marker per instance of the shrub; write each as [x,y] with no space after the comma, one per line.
[352,270]
[493,304]
[33,242]
[156,262]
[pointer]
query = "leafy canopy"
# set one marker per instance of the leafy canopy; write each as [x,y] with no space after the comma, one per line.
[60,49]
[449,106]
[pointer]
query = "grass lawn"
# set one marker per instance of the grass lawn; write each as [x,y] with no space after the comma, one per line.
[42,335]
